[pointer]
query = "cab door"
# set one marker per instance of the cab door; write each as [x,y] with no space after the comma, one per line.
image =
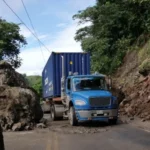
[68,91]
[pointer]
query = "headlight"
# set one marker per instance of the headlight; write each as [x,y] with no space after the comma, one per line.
[80,102]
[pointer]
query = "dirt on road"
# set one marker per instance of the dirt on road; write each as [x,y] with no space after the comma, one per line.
[82,128]
[61,136]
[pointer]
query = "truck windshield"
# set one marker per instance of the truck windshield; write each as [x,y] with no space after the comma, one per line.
[90,83]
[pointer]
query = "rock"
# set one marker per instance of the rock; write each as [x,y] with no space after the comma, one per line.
[143,120]
[147,118]
[8,76]
[143,79]
[148,101]
[121,105]
[126,100]
[128,110]
[43,120]
[133,95]
[18,102]
[27,128]
[40,125]
[145,114]
[17,127]
[8,130]
[132,118]
[45,106]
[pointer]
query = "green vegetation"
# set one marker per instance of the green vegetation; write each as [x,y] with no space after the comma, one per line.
[10,43]
[145,67]
[144,52]
[36,83]
[116,26]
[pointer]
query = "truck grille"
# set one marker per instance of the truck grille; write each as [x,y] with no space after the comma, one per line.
[99,101]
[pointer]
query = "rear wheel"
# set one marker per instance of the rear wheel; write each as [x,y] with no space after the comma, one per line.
[53,113]
[72,117]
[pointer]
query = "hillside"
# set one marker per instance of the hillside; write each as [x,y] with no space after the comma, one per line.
[36,83]
[133,78]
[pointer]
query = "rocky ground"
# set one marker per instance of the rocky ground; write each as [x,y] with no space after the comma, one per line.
[19,104]
[135,85]
[83,128]
[63,126]
[137,103]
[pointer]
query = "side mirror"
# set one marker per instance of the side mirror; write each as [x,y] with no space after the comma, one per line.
[110,83]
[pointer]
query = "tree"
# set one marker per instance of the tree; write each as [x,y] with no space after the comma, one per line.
[116,25]
[10,42]
[36,83]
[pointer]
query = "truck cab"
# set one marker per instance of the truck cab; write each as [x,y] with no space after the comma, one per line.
[88,98]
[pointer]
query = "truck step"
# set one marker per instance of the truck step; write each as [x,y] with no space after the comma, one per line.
[65,116]
[66,109]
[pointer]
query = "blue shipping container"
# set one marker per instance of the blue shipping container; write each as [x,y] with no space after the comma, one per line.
[52,73]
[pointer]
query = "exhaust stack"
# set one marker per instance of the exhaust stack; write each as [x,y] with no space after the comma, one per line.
[63,80]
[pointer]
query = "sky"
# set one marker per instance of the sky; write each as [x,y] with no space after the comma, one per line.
[53,23]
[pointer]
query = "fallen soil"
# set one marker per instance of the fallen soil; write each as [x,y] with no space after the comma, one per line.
[63,126]
[82,128]
[135,86]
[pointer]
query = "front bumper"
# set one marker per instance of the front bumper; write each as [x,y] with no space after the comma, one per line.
[99,115]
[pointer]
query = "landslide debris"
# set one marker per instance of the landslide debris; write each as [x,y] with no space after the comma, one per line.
[133,78]
[83,128]
[19,105]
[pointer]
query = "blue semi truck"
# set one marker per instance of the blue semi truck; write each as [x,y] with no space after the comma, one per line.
[74,93]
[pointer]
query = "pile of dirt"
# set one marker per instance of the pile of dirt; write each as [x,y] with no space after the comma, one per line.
[135,86]
[19,105]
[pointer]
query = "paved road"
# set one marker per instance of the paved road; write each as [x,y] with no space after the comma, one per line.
[120,137]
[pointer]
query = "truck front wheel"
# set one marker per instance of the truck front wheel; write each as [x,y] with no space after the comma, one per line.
[72,117]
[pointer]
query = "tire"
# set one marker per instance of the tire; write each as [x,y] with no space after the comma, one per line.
[72,117]
[113,121]
[53,113]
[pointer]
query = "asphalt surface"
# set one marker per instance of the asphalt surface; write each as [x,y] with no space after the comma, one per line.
[61,136]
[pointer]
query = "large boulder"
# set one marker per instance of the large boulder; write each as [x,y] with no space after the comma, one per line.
[19,104]
[8,76]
